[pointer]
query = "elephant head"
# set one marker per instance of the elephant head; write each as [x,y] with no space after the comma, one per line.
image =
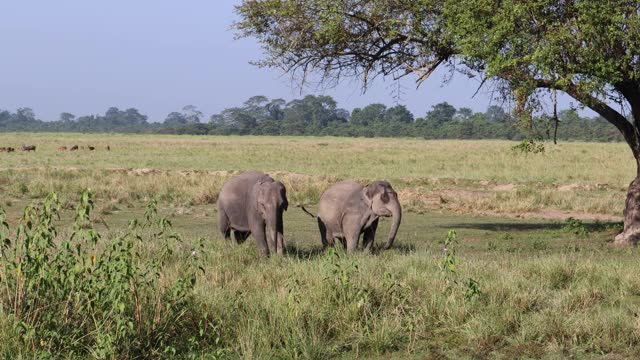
[271,197]
[384,202]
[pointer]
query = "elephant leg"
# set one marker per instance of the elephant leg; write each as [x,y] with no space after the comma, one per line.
[280,244]
[324,233]
[240,236]
[351,230]
[369,236]
[224,225]
[352,241]
[258,230]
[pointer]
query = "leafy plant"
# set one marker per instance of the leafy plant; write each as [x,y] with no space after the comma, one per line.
[528,146]
[450,265]
[575,226]
[97,296]
[339,275]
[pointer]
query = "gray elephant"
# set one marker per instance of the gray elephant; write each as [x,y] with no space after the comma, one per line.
[253,203]
[348,209]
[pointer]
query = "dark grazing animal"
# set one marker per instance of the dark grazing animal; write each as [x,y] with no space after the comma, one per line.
[10,149]
[28,148]
[74,148]
[91,148]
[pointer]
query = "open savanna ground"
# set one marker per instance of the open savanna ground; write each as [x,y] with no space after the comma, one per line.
[505,287]
[485,177]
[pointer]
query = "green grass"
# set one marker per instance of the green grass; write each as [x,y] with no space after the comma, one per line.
[341,157]
[548,288]
[462,176]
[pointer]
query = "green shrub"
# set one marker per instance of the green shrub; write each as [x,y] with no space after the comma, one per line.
[86,295]
[575,226]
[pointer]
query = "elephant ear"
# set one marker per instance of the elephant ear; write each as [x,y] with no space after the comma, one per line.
[285,203]
[261,196]
[377,188]
[384,197]
[371,190]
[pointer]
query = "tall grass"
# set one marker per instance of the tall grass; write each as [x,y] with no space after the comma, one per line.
[78,294]
[79,279]
[69,290]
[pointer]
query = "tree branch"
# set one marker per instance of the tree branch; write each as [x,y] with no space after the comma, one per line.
[628,130]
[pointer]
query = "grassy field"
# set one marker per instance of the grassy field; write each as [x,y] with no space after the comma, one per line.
[483,177]
[507,287]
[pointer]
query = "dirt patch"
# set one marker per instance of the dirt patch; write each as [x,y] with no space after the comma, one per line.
[504,187]
[143,171]
[570,187]
[562,214]
[463,193]
[554,214]
[290,176]
[428,200]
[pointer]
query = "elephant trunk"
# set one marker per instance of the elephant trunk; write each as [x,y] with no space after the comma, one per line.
[396,213]
[272,229]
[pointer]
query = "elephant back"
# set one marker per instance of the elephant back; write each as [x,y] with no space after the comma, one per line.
[334,199]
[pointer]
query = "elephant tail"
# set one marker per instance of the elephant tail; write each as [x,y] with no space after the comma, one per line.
[305,210]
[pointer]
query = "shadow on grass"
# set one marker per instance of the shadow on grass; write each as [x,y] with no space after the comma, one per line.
[402,249]
[516,226]
[303,253]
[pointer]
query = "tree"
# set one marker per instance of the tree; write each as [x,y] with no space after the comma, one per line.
[441,113]
[588,49]
[192,114]
[175,119]
[25,114]
[464,114]
[368,115]
[399,114]
[275,108]
[66,117]
[496,113]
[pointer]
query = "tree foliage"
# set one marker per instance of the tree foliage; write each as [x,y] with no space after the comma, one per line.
[320,115]
[525,48]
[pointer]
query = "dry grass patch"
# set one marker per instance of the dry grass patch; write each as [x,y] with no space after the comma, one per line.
[461,176]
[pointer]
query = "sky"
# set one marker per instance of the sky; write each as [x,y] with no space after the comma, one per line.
[157,56]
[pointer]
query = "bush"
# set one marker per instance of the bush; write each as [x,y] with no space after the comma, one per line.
[126,296]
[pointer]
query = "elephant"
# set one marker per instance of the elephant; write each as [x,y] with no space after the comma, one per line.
[253,203]
[348,209]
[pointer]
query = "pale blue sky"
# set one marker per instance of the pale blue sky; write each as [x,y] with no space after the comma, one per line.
[157,56]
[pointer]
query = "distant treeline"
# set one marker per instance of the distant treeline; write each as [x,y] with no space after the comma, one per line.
[320,115]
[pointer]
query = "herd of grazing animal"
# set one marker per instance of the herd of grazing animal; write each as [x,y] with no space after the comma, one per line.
[28,148]
[253,203]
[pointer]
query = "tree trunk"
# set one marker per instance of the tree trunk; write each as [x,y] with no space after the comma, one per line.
[631,233]
[630,130]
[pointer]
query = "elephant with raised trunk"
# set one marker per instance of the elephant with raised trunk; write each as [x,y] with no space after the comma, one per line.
[253,203]
[348,209]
